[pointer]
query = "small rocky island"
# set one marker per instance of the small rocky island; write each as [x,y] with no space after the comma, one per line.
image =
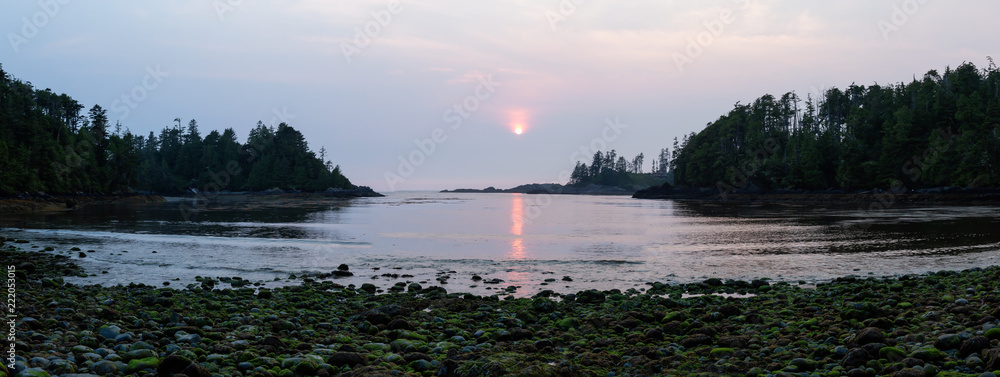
[552,188]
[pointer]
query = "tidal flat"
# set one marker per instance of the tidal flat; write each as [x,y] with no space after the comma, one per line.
[937,324]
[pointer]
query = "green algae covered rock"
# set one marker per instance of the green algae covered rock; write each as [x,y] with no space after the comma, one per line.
[137,365]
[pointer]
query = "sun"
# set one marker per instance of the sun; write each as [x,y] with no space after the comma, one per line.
[518,121]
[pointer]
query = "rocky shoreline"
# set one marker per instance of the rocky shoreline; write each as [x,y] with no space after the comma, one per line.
[952,195]
[357,192]
[43,202]
[939,324]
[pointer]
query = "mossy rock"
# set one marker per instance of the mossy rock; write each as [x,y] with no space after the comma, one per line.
[137,365]
[928,354]
[34,372]
[138,354]
[342,339]
[930,370]
[421,365]
[993,333]
[300,365]
[802,365]
[394,358]
[543,305]
[407,334]
[376,346]
[674,316]
[950,373]
[403,345]
[568,323]
[719,353]
[892,354]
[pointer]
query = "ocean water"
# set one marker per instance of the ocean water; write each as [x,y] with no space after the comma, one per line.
[600,242]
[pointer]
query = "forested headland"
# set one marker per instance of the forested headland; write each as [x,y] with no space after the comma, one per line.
[938,130]
[50,144]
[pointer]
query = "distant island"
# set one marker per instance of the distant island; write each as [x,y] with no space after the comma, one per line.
[608,174]
[50,146]
[552,188]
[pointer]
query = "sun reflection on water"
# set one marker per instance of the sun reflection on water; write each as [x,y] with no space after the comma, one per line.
[517,228]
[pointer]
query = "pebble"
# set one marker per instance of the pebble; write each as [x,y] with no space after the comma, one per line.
[38,362]
[189,338]
[140,345]
[32,372]
[104,367]
[109,332]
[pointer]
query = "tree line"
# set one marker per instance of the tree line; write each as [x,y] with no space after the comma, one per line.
[936,131]
[49,144]
[611,169]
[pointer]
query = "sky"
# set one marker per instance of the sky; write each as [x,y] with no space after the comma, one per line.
[426,95]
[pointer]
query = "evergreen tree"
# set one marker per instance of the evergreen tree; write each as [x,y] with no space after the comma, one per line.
[940,130]
[46,144]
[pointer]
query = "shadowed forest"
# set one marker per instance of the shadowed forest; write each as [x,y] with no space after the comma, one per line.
[939,130]
[48,143]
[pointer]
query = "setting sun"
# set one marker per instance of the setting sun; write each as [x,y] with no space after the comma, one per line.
[518,120]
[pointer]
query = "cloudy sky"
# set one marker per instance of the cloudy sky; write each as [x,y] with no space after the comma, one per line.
[442,85]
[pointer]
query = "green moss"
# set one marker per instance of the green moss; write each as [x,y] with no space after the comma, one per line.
[141,364]
[993,333]
[568,323]
[721,352]
[892,354]
[928,354]
[34,372]
[674,316]
[950,373]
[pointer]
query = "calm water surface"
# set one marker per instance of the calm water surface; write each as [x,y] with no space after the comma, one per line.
[599,241]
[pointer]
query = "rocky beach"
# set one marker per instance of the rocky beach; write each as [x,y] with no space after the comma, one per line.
[939,324]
